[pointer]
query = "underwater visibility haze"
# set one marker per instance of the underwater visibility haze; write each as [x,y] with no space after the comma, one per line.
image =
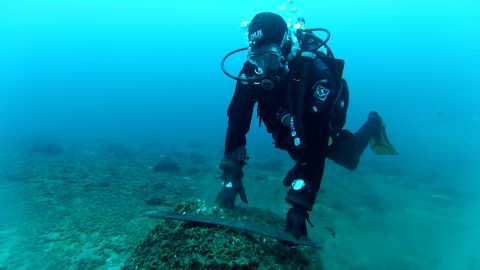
[110,109]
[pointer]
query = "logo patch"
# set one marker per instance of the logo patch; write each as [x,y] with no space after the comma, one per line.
[243,76]
[256,36]
[321,92]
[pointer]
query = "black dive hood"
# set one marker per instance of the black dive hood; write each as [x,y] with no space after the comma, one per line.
[307,41]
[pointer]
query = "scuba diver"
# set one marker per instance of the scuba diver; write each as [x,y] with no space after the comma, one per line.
[302,100]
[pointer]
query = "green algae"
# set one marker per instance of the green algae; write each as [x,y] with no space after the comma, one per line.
[179,245]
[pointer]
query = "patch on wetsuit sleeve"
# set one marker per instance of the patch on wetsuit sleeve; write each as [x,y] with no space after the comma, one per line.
[321,92]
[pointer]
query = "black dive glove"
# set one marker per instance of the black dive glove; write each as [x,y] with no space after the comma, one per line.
[232,185]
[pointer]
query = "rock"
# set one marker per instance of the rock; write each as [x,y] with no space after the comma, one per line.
[167,165]
[180,245]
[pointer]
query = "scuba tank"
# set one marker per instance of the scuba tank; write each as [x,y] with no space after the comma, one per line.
[311,43]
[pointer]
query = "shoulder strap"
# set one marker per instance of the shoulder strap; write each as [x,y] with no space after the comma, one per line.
[296,98]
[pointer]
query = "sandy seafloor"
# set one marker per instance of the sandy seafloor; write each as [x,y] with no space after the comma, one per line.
[83,208]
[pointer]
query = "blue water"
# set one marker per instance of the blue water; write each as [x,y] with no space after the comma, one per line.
[120,68]
[150,70]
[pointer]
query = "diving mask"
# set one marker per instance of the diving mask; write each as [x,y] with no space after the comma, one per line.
[266,58]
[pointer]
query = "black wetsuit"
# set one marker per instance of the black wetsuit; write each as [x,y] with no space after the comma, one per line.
[321,91]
